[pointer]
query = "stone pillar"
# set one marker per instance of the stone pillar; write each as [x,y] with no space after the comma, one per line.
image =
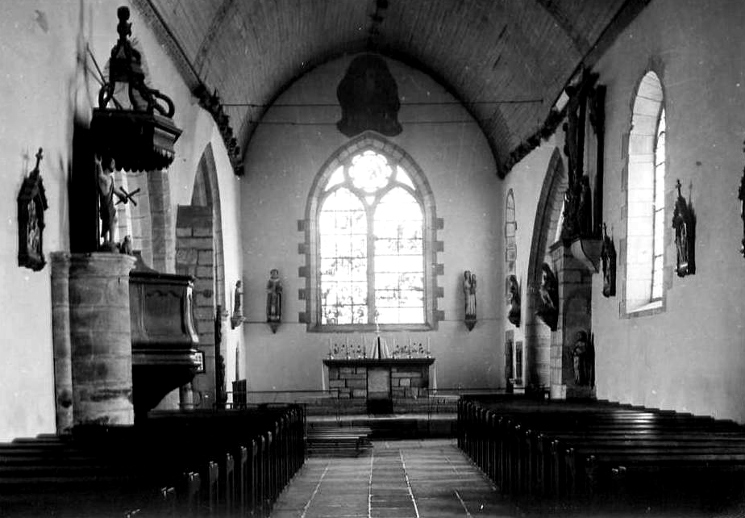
[100,338]
[61,341]
[575,314]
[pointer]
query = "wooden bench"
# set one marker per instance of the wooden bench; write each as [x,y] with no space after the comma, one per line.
[338,440]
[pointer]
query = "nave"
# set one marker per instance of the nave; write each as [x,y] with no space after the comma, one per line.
[428,478]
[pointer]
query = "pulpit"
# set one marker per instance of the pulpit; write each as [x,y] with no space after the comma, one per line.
[164,340]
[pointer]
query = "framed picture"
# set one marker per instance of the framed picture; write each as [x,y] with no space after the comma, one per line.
[200,362]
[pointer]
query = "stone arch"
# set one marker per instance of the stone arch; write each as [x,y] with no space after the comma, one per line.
[199,253]
[397,156]
[545,229]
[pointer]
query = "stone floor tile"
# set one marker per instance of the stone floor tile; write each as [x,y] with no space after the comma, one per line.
[397,479]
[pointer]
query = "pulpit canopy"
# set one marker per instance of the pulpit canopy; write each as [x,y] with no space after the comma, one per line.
[132,123]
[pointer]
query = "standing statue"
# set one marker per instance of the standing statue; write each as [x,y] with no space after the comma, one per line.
[513,300]
[608,257]
[584,210]
[106,191]
[741,196]
[683,224]
[237,317]
[548,306]
[469,296]
[582,359]
[274,297]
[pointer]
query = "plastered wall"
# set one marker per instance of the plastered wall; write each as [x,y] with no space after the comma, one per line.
[691,356]
[284,158]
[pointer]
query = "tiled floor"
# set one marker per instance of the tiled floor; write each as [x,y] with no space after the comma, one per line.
[397,479]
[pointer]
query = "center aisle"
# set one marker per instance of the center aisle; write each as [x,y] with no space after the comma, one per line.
[396,479]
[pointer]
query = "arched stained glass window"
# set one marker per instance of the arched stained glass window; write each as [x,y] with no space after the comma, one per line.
[371,221]
[370,229]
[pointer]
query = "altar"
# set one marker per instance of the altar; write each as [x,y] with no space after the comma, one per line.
[379,381]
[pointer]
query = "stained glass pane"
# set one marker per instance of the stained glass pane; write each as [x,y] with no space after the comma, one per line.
[399,264]
[370,171]
[337,177]
[343,259]
[396,272]
[403,178]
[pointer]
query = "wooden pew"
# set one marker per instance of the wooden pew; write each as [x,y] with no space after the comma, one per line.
[175,465]
[580,448]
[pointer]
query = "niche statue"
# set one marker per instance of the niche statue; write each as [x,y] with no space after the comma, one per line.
[582,359]
[548,304]
[274,300]
[513,300]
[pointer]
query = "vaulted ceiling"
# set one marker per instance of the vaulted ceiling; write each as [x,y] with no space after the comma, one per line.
[507,61]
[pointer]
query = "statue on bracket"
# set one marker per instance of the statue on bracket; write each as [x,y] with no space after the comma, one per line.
[548,305]
[513,300]
[608,257]
[32,202]
[368,96]
[684,223]
[469,295]
[274,300]
[583,361]
[742,212]
[236,318]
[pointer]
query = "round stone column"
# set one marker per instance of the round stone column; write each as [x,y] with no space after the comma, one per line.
[61,341]
[101,341]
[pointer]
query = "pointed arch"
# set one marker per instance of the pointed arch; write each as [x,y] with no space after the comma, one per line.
[199,253]
[547,222]
[405,175]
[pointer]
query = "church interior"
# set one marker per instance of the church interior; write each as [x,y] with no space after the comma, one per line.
[228,218]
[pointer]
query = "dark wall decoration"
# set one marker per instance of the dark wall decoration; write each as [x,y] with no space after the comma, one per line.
[368,96]
[742,212]
[584,143]
[513,300]
[608,258]
[32,202]
[509,373]
[684,224]
[548,304]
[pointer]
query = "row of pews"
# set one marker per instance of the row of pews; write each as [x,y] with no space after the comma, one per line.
[201,463]
[571,455]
